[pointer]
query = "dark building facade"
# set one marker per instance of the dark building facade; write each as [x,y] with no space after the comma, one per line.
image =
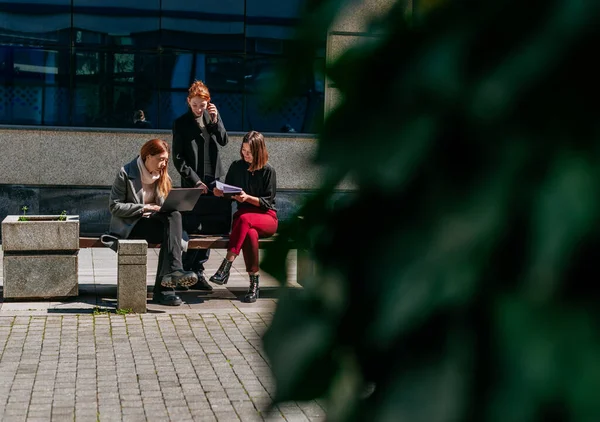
[92,63]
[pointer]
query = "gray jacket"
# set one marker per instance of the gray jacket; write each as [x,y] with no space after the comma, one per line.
[126,201]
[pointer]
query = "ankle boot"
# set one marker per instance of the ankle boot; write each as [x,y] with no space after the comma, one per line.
[252,294]
[222,274]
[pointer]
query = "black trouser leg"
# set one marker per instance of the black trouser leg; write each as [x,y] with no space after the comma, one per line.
[194,259]
[172,235]
[160,272]
[163,228]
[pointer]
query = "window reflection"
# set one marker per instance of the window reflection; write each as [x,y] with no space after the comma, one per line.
[109,87]
[203,26]
[127,23]
[300,112]
[33,86]
[35,23]
[92,63]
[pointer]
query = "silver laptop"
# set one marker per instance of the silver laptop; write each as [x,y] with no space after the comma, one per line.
[181,199]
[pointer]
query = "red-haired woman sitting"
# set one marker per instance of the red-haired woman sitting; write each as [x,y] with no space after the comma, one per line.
[138,191]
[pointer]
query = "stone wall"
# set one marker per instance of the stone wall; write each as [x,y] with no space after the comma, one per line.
[92,157]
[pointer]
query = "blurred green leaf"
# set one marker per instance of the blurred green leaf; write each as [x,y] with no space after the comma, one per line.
[459,277]
[301,357]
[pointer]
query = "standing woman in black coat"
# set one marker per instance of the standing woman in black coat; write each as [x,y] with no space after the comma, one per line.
[198,136]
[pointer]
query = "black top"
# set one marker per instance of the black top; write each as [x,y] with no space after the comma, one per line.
[260,183]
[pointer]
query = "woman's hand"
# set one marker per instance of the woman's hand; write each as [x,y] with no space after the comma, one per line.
[202,187]
[151,208]
[242,197]
[212,110]
[217,192]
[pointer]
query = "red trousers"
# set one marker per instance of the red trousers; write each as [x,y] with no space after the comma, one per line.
[247,227]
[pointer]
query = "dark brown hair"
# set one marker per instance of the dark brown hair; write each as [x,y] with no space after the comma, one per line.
[155,147]
[198,89]
[260,155]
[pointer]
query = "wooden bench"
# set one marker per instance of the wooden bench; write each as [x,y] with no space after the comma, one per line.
[132,265]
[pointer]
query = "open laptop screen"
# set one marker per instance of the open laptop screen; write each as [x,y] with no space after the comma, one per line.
[181,199]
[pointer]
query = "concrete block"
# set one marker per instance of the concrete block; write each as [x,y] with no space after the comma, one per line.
[358,15]
[40,233]
[132,259]
[333,97]
[131,288]
[338,44]
[40,276]
[133,247]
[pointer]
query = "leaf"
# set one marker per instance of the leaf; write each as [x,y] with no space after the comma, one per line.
[299,346]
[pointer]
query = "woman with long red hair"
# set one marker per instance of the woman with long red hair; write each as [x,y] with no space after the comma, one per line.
[137,194]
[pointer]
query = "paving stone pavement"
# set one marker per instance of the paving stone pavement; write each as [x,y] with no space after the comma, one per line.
[78,360]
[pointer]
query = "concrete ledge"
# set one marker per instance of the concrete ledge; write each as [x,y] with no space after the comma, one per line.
[40,276]
[92,157]
[40,233]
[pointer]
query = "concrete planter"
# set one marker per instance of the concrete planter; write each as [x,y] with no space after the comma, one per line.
[40,256]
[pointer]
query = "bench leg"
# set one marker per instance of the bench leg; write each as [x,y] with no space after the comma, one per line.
[131,275]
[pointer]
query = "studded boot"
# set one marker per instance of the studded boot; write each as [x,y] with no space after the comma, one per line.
[252,294]
[222,275]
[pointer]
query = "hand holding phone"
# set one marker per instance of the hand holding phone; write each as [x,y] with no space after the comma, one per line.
[212,111]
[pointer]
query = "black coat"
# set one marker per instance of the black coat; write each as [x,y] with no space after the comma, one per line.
[188,156]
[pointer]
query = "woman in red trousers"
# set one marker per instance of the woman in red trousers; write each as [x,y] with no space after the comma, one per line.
[256,215]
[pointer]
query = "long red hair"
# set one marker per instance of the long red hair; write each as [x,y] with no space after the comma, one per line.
[155,147]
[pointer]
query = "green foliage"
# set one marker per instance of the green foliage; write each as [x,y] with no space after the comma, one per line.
[97,311]
[24,208]
[124,311]
[456,277]
[63,216]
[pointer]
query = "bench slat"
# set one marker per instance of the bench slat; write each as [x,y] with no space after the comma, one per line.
[197,241]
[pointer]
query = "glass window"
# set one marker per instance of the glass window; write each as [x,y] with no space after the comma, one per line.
[36,23]
[203,26]
[124,23]
[34,86]
[110,86]
[93,63]
[300,112]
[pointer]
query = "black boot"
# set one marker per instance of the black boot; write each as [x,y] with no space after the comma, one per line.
[252,294]
[222,274]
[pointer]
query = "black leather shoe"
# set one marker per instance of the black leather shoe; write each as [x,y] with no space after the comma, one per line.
[167,299]
[253,291]
[179,277]
[202,283]
[182,288]
[222,275]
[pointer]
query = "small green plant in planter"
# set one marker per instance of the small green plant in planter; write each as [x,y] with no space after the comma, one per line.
[24,216]
[63,216]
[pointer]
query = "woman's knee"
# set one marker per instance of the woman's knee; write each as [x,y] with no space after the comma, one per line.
[175,216]
[245,219]
[252,235]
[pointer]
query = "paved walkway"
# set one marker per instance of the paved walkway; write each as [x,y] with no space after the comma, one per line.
[79,360]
